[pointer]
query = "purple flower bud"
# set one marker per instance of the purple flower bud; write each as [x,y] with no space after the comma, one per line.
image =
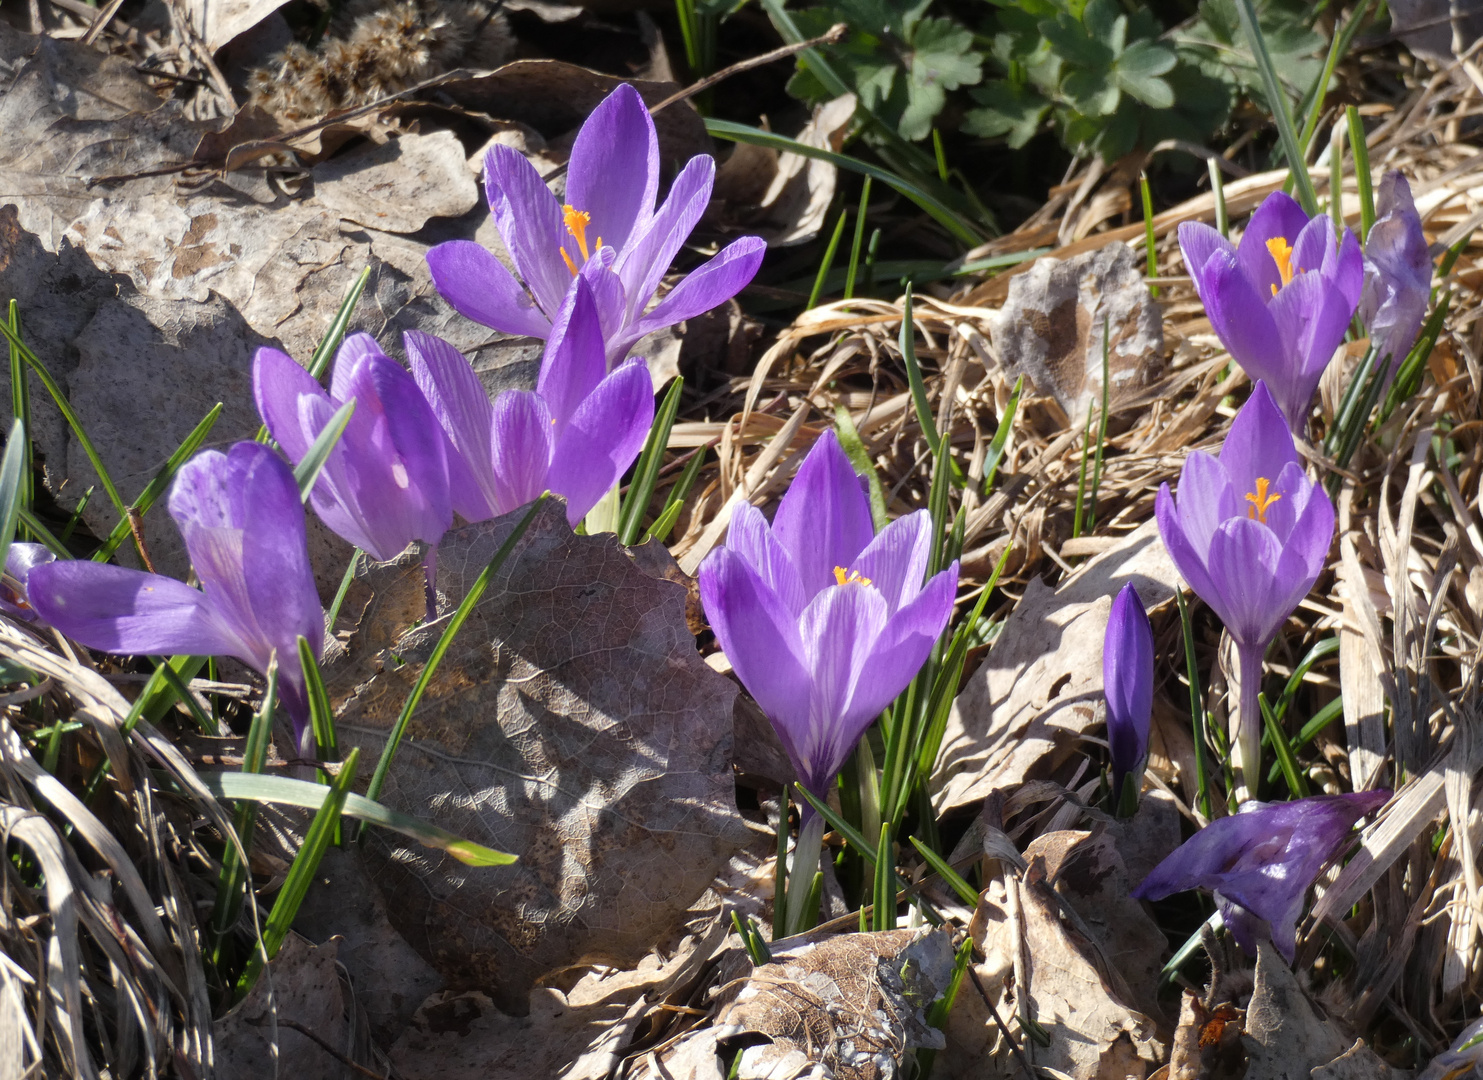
[609,231]
[19,562]
[1259,863]
[385,483]
[1127,680]
[243,525]
[1250,533]
[1398,273]
[575,434]
[824,622]
[1282,299]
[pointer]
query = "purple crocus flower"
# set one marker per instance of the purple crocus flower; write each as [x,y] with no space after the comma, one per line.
[385,483]
[823,621]
[243,525]
[1127,680]
[575,434]
[1398,273]
[1282,299]
[1259,863]
[1250,533]
[608,230]
[20,560]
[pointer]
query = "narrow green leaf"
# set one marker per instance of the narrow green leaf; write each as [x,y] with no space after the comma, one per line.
[751,940]
[182,693]
[1321,651]
[849,280]
[321,716]
[41,533]
[319,363]
[827,263]
[20,401]
[918,385]
[1359,147]
[231,880]
[1149,240]
[1277,98]
[1196,707]
[465,609]
[1218,189]
[334,613]
[966,892]
[1449,260]
[1296,783]
[307,471]
[11,467]
[960,227]
[1316,723]
[646,473]
[851,834]
[780,871]
[854,448]
[1101,426]
[160,482]
[885,881]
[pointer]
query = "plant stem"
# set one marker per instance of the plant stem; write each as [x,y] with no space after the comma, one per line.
[806,854]
[1246,725]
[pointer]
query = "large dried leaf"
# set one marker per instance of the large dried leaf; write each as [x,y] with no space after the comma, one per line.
[401,184]
[572,723]
[1025,709]
[1285,1036]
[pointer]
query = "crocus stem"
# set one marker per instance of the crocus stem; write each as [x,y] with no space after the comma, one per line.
[806,854]
[430,579]
[1247,723]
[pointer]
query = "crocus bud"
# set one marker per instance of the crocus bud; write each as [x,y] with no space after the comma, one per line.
[1398,273]
[1127,680]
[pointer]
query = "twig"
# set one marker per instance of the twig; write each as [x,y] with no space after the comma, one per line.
[348,1062]
[136,526]
[104,18]
[831,36]
[999,1023]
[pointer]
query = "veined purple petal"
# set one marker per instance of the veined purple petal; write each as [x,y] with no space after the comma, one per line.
[574,361]
[1311,317]
[352,363]
[1258,445]
[277,384]
[1347,270]
[1127,680]
[19,562]
[420,471]
[823,521]
[612,304]
[529,220]
[713,282]
[128,612]
[645,261]
[839,629]
[1314,247]
[1243,563]
[1239,314]
[479,287]
[1397,272]
[751,538]
[613,173]
[1198,242]
[760,638]
[464,412]
[335,495]
[602,438]
[1206,498]
[1187,558]
[1279,215]
[896,560]
[522,448]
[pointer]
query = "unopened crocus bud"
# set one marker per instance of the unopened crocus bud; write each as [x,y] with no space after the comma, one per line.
[1127,680]
[1259,863]
[20,560]
[1398,273]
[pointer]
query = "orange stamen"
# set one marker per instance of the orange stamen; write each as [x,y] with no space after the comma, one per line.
[1260,500]
[850,577]
[1282,255]
[576,224]
[568,260]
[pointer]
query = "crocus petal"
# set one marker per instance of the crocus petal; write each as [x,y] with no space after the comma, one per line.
[1127,680]
[574,361]
[19,562]
[278,382]
[416,434]
[461,404]
[522,448]
[602,438]
[1311,317]
[759,635]
[1239,315]
[1346,269]
[1243,561]
[275,553]
[1279,215]
[1314,246]
[356,352]
[646,260]
[1187,559]
[479,287]
[529,220]
[611,302]
[1206,498]
[824,518]
[751,538]
[895,562]
[713,282]
[839,629]
[335,495]
[904,643]
[1258,444]
[613,172]
[128,612]
[1198,242]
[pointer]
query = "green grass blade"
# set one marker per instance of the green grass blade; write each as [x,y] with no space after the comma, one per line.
[827,263]
[966,892]
[307,471]
[849,279]
[319,363]
[321,716]
[41,533]
[12,468]
[1196,707]
[852,835]
[676,499]
[231,880]
[780,871]
[1101,428]
[908,344]
[287,791]
[465,609]
[160,482]
[74,423]
[1338,48]
[995,454]
[1296,784]
[1316,723]
[1218,189]
[20,402]
[1320,651]
[1449,260]
[344,589]
[177,685]
[1360,148]
[646,474]
[1281,114]
[884,899]
[965,231]
[301,874]
[1149,240]
[854,448]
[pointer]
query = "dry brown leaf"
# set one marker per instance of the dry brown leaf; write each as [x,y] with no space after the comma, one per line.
[1050,328]
[1359,1062]
[398,186]
[1025,709]
[849,1007]
[1285,1038]
[220,21]
[572,723]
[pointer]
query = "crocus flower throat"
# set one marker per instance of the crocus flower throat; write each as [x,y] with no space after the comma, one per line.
[576,222]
